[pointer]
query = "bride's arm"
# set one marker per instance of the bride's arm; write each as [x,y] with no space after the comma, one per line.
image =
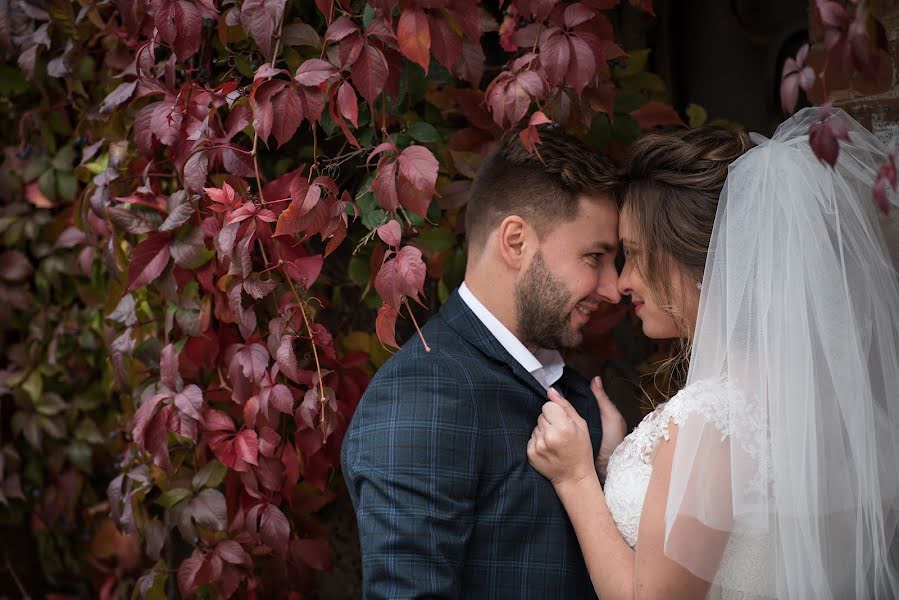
[559,449]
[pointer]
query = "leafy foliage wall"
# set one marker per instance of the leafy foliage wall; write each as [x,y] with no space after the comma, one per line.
[216,216]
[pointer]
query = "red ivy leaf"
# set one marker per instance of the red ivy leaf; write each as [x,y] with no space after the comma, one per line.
[340,29]
[577,13]
[269,523]
[261,18]
[529,136]
[187,573]
[391,232]
[156,438]
[232,552]
[289,107]
[142,417]
[313,553]
[247,445]
[824,135]
[385,325]
[401,277]
[148,260]
[419,166]
[346,100]
[384,185]
[414,37]
[180,25]
[168,367]
[261,101]
[655,113]
[446,44]
[470,65]
[314,72]
[189,401]
[369,73]
[886,176]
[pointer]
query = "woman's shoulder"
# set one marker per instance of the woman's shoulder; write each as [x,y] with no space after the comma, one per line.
[712,399]
[722,403]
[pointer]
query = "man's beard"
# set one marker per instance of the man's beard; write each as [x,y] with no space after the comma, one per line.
[541,303]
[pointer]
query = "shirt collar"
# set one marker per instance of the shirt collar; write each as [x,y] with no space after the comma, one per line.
[546,366]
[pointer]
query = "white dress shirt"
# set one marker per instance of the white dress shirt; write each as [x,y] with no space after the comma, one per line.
[546,366]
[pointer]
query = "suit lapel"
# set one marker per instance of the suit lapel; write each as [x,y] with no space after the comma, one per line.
[461,318]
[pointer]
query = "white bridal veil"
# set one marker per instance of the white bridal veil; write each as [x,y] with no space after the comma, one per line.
[799,315]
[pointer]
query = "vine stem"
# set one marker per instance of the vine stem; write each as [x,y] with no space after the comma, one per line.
[256,166]
[318,367]
[417,328]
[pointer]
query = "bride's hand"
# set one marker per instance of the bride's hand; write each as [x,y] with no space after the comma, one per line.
[560,447]
[614,427]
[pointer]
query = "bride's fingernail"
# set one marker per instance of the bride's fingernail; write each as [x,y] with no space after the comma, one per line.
[597,380]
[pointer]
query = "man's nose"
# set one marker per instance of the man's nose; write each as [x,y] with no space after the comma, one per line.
[609,290]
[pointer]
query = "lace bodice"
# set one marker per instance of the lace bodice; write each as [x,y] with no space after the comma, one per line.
[746,569]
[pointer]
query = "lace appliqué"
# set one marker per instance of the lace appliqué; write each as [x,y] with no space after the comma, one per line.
[717,402]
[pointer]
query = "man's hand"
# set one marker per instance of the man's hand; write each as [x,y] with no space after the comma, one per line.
[614,427]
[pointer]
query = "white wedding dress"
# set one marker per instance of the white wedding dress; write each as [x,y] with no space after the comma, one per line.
[746,571]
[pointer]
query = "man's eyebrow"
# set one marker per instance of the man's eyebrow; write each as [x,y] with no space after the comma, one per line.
[602,247]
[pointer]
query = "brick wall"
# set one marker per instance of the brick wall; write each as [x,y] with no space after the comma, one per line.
[880,112]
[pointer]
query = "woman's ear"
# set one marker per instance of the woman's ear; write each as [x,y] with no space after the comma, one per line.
[517,242]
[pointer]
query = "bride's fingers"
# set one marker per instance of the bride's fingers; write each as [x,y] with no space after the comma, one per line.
[554,413]
[542,424]
[602,399]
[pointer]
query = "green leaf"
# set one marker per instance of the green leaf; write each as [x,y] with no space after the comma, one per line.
[423,132]
[211,475]
[633,63]
[173,497]
[627,102]
[88,431]
[12,81]
[371,213]
[368,13]
[436,240]
[328,124]
[600,131]
[358,271]
[64,159]
[47,184]
[66,185]
[696,115]
[625,129]
[34,386]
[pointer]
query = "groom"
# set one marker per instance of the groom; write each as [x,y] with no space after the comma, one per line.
[435,456]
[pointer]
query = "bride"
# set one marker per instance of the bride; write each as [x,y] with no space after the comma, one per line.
[774,473]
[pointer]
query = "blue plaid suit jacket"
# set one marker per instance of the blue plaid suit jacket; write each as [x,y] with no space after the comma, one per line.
[435,459]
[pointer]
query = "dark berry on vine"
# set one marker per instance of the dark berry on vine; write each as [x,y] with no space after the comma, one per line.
[505,67]
[25,152]
[80,142]
[208,23]
[202,75]
[254,65]
[522,22]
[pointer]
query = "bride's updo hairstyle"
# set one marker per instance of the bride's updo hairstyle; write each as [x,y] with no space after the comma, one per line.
[669,195]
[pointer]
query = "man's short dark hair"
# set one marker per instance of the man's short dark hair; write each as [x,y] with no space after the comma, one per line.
[513,181]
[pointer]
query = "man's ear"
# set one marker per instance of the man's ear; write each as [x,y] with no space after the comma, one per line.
[517,241]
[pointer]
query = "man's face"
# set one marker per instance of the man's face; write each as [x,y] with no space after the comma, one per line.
[570,274]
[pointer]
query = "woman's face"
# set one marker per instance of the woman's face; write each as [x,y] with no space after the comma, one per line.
[657,323]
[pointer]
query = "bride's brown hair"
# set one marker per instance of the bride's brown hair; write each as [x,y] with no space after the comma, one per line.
[669,193]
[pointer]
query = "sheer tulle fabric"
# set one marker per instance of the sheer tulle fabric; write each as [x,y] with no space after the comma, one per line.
[800,314]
